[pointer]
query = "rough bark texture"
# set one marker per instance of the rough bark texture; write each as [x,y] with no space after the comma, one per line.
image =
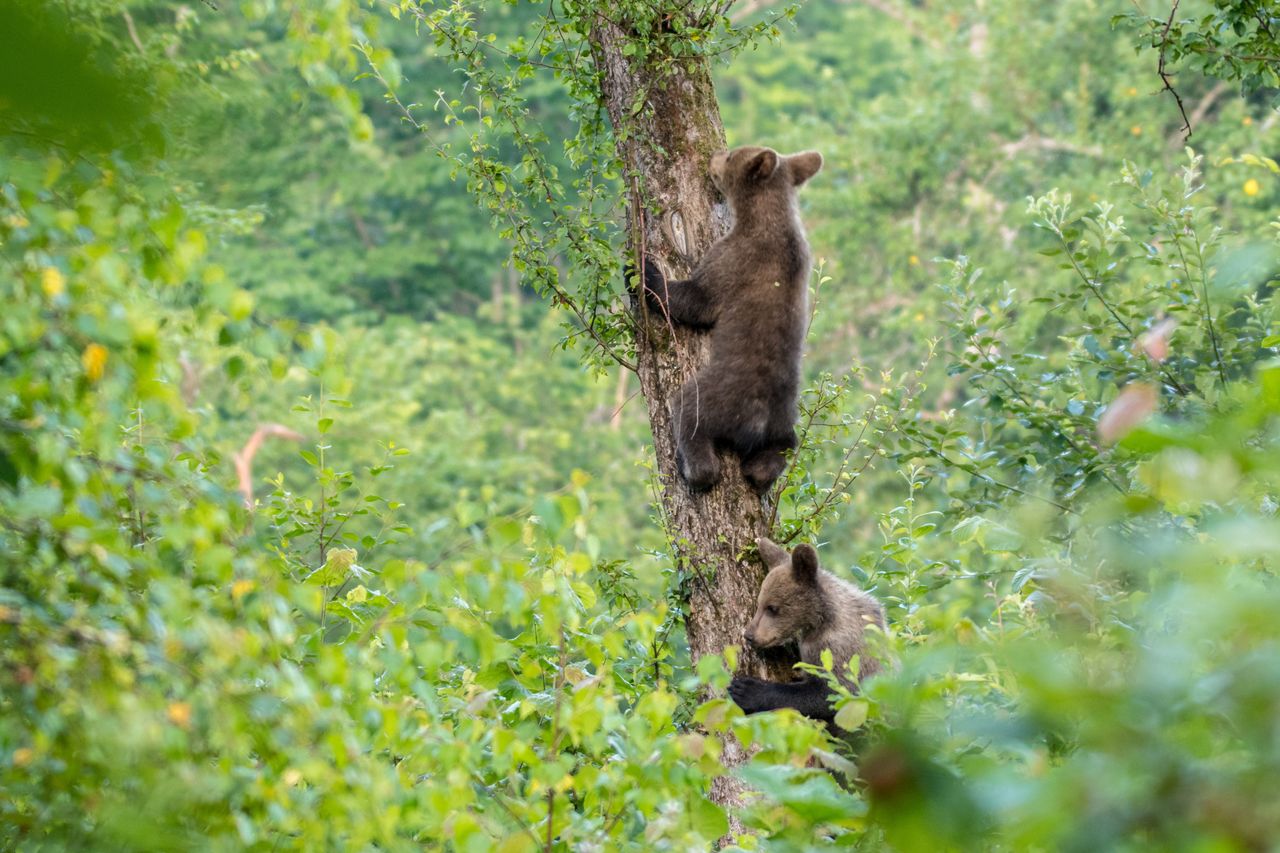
[669,145]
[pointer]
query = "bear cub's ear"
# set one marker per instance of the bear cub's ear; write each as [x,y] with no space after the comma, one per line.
[804,166]
[763,165]
[772,553]
[804,564]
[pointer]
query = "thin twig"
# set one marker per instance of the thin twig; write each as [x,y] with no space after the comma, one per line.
[1208,311]
[556,733]
[1165,77]
[1206,103]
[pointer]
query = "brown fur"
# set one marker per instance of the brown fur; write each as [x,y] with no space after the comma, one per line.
[751,291]
[802,604]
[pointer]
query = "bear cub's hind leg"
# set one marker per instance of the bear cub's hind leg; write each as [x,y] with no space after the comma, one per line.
[696,457]
[763,467]
[698,463]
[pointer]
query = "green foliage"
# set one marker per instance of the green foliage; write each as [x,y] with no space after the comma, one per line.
[442,616]
[1229,39]
[1083,596]
[1114,697]
[173,676]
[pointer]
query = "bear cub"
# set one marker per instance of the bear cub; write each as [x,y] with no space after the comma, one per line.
[803,604]
[751,292]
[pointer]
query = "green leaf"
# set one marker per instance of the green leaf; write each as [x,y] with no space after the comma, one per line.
[852,714]
[709,819]
[337,565]
[810,793]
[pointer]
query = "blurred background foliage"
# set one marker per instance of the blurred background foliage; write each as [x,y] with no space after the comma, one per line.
[1041,426]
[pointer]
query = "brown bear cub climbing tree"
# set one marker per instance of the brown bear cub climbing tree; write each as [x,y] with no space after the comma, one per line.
[751,292]
[802,604]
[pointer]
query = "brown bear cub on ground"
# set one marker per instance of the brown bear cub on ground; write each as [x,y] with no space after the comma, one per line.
[751,291]
[801,603]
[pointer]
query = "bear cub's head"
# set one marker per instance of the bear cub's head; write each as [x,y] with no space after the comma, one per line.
[750,170]
[790,606]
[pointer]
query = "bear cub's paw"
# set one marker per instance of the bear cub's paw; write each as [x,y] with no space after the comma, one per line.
[751,694]
[655,281]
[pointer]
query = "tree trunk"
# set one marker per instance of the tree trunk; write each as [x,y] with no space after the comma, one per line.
[669,145]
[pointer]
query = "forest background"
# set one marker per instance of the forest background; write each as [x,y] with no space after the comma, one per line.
[1040,426]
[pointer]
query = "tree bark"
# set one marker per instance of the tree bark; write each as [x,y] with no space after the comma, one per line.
[668,145]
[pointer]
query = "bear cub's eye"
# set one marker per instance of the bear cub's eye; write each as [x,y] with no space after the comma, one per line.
[771,610]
